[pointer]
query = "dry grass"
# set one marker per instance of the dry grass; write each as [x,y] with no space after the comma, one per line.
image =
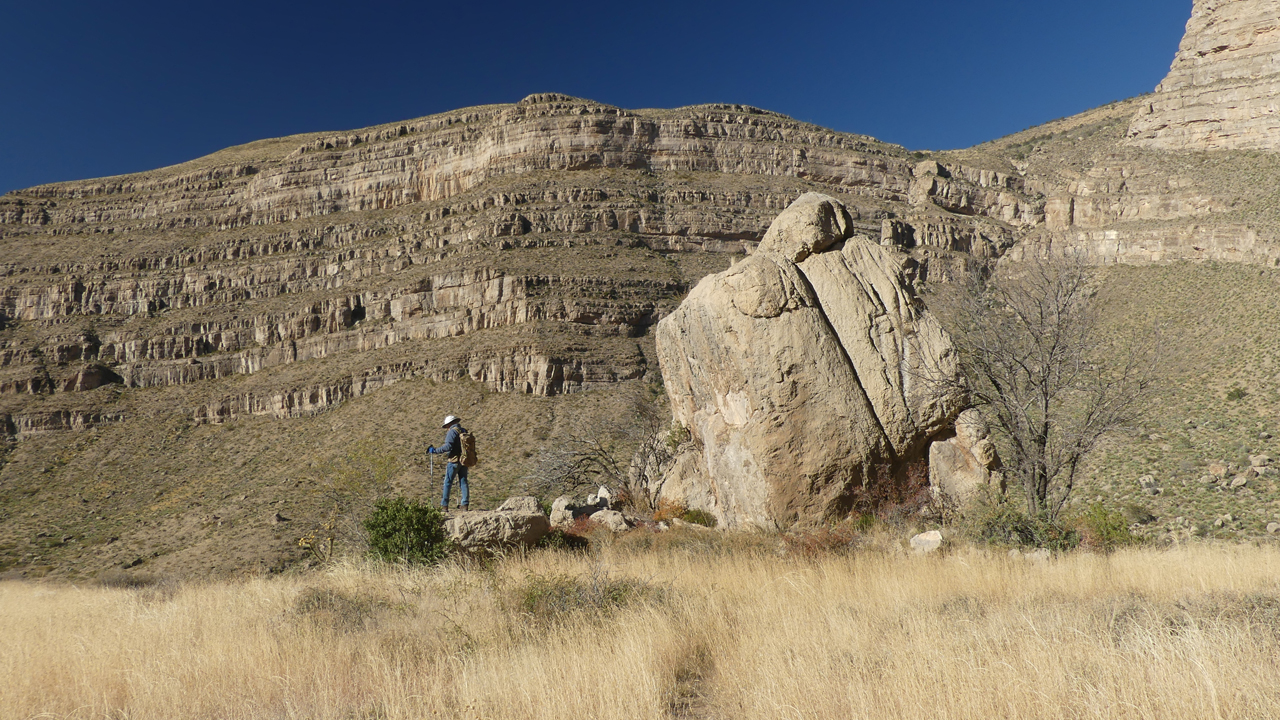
[689,627]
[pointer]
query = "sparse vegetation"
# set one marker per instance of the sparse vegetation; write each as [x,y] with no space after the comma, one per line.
[1035,361]
[564,598]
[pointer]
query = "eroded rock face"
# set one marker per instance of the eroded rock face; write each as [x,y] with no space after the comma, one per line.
[800,373]
[961,465]
[1221,91]
[518,522]
[527,246]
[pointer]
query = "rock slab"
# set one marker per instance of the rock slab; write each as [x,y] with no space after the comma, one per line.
[518,522]
[961,465]
[927,542]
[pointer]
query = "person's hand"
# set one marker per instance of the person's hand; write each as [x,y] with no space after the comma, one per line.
[431,449]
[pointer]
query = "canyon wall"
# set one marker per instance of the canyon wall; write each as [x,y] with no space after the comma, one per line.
[580,222]
[1221,92]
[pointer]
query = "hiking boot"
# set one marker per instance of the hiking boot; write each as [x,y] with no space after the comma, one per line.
[462,508]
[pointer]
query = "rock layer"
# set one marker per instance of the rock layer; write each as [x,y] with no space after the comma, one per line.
[803,374]
[550,235]
[1221,90]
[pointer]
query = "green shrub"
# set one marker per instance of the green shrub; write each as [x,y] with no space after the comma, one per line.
[699,517]
[407,531]
[1236,393]
[1105,530]
[558,539]
[1000,522]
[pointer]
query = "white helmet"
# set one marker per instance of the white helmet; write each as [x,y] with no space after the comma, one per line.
[449,420]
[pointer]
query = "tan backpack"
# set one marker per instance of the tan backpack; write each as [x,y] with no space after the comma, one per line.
[468,443]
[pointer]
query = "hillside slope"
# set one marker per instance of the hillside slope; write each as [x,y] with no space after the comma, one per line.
[187,354]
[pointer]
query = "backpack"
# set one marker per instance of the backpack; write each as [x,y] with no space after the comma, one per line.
[467,441]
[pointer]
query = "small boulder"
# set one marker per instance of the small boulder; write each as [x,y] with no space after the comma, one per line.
[611,520]
[1258,461]
[1273,528]
[1239,481]
[678,524]
[927,542]
[562,512]
[601,499]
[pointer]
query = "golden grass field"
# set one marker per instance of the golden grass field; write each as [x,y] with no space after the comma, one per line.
[683,624]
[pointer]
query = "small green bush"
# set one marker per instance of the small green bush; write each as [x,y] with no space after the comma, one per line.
[558,539]
[699,517]
[407,531]
[1000,522]
[1236,393]
[1105,530]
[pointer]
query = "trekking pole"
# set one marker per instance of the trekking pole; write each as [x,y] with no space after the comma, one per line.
[431,458]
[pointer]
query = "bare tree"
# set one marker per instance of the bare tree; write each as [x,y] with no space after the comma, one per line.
[597,452]
[1051,382]
[347,487]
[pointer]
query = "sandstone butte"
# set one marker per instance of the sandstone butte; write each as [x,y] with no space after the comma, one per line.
[184,349]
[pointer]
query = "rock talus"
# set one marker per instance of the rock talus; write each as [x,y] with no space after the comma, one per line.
[800,374]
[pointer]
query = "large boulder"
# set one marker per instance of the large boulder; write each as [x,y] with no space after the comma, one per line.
[961,465]
[805,373]
[518,522]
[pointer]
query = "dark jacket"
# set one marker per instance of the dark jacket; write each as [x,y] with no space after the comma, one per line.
[452,447]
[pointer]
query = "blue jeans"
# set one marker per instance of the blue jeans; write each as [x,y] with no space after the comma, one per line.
[451,471]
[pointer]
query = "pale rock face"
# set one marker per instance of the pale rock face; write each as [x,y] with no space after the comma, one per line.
[1221,92]
[960,466]
[518,522]
[562,512]
[801,382]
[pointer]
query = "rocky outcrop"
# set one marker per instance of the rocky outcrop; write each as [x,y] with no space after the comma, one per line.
[805,373]
[1221,91]
[518,523]
[961,465]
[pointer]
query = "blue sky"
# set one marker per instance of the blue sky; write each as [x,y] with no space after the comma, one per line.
[95,89]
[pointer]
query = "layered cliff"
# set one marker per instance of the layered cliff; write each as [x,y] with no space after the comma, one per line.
[562,215]
[1221,90]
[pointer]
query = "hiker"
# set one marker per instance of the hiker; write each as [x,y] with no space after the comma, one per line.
[455,453]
